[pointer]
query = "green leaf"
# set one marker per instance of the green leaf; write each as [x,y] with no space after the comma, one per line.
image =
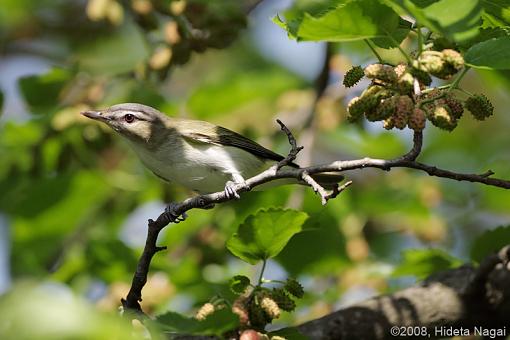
[354,20]
[42,92]
[490,242]
[264,234]
[424,262]
[217,323]
[239,283]
[491,54]
[457,20]
[114,54]
[498,11]
[398,35]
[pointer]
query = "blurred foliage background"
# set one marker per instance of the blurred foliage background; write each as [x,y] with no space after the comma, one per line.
[74,200]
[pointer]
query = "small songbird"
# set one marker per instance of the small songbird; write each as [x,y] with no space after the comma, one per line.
[195,154]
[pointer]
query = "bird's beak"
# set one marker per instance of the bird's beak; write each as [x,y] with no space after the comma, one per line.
[96,115]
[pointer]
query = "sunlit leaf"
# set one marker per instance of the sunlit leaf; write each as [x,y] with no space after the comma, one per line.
[264,234]
[348,21]
[490,54]
[490,242]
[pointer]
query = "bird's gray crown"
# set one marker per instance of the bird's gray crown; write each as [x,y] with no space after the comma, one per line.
[134,107]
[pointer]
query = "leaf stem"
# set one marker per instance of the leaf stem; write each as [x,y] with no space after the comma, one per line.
[455,84]
[404,53]
[261,277]
[374,51]
[420,40]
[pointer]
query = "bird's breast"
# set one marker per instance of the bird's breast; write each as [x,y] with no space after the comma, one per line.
[201,167]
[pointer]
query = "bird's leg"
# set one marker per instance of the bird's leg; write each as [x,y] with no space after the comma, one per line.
[172,215]
[230,190]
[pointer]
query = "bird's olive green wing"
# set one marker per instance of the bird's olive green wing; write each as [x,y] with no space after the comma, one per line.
[213,134]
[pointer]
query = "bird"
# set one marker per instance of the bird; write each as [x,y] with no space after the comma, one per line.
[198,155]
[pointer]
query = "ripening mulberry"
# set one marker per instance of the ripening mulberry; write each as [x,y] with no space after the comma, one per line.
[386,73]
[405,106]
[389,123]
[417,120]
[455,106]
[283,299]
[385,109]
[479,106]
[239,308]
[353,76]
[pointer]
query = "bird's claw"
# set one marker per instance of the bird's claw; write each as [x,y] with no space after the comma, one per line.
[230,190]
[171,214]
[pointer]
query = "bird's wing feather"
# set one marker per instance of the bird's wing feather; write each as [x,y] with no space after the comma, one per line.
[218,135]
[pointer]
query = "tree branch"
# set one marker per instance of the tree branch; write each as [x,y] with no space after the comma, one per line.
[301,174]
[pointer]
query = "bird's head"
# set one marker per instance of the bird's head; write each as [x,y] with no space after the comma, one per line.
[139,123]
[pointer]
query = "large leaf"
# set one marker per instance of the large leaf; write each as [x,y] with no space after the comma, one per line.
[490,54]
[457,20]
[424,262]
[489,242]
[217,323]
[264,234]
[497,11]
[354,20]
[42,92]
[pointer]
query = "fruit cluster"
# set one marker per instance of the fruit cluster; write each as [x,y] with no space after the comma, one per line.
[399,96]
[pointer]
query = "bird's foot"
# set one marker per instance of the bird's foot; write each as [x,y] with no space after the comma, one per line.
[230,190]
[172,215]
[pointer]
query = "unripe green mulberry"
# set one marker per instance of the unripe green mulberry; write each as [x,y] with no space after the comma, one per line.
[270,307]
[405,83]
[422,76]
[258,317]
[479,106]
[386,108]
[386,73]
[353,76]
[355,109]
[455,106]
[294,287]
[365,103]
[453,58]
[442,117]
[283,299]
[417,120]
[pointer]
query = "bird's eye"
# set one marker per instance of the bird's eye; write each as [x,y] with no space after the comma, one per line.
[129,118]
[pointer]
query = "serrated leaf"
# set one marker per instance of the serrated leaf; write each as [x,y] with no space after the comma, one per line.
[354,20]
[490,242]
[264,234]
[41,92]
[457,20]
[217,323]
[239,283]
[491,54]
[424,262]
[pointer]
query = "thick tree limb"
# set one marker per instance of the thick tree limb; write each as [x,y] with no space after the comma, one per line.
[462,298]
